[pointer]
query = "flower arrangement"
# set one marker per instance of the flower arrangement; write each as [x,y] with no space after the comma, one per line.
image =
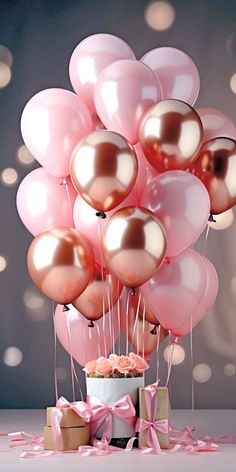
[116,366]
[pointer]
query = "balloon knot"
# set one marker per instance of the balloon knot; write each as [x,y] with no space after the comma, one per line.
[167,260]
[211,218]
[63,182]
[154,329]
[101,214]
[132,292]
[91,324]
[65,308]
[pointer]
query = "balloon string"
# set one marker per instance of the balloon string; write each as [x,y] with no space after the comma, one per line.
[69,199]
[192,379]
[77,381]
[205,240]
[143,328]
[99,339]
[109,315]
[170,359]
[55,354]
[127,324]
[136,322]
[103,289]
[119,324]
[157,351]
[71,359]
[85,339]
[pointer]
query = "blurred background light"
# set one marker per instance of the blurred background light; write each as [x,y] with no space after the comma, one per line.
[159,15]
[223,220]
[202,373]
[178,355]
[6,55]
[3,263]
[32,300]
[61,373]
[229,370]
[12,356]
[233,83]
[24,155]
[9,176]
[5,74]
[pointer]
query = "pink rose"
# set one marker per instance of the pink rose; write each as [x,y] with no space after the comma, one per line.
[104,366]
[90,367]
[123,364]
[140,364]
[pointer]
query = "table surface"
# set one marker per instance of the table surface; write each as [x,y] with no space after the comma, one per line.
[206,422]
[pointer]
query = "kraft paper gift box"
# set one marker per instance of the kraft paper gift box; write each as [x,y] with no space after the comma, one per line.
[74,430]
[161,396]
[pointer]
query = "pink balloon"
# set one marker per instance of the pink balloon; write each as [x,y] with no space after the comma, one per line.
[177,72]
[176,289]
[86,221]
[42,202]
[52,124]
[182,205]
[86,343]
[216,124]
[89,59]
[206,302]
[123,93]
[145,172]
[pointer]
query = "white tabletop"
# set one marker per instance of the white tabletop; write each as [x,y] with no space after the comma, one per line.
[207,422]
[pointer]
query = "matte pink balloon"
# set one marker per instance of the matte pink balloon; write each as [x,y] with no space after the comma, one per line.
[181,204]
[177,72]
[86,343]
[123,93]
[52,124]
[216,124]
[176,289]
[206,302]
[42,202]
[89,59]
[86,221]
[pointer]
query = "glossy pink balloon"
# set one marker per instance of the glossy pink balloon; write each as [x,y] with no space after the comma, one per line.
[86,221]
[123,93]
[216,124]
[89,59]
[42,202]
[206,302]
[177,72]
[181,204]
[52,124]
[86,343]
[145,172]
[176,289]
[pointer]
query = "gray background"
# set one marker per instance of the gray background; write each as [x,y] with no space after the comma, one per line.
[41,36]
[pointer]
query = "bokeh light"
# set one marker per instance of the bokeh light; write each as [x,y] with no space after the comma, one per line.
[5,74]
[9,176]
[6,55]
[61,373]
[223,220]
[32,300]
[229,370]
[3,263]
[24,155]
[160,15]
[178,355]
[12,356]
[233,83]
[202,373]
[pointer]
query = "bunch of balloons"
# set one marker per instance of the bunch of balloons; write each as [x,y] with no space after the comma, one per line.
[130,174]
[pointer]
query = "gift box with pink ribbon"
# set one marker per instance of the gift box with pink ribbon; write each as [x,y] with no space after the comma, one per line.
[153,422]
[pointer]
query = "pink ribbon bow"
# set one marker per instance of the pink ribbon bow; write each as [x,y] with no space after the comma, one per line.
[151,425]
[101,414]
[80,408]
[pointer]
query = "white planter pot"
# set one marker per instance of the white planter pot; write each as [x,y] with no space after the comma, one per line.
[110,391]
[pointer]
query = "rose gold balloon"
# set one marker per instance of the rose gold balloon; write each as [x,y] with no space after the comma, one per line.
[99,296]
[104,168]
[216,168]
[134,245]
[171,134]
[61,263]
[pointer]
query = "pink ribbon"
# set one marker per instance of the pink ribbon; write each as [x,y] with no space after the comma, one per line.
[101,414]
[80,408]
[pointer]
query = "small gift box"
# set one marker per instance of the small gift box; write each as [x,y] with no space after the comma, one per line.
[153,422]
[67,426]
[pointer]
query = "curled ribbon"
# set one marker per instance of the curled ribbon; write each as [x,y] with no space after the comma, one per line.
[101,414]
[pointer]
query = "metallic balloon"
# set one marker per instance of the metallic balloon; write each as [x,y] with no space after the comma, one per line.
[104,168]
[61,263]
[134,245]
[171,134]
[216,167]
[99,296]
